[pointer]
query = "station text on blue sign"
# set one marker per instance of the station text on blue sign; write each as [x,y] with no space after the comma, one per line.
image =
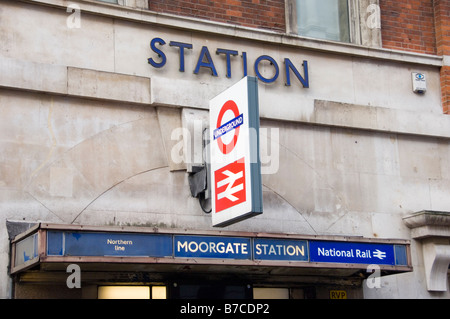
[212,247]
[280,249]
[205,61]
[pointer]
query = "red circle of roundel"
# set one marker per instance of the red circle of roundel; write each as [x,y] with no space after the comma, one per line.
[227,148]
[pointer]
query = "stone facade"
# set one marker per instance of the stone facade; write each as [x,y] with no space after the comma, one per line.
[89,133]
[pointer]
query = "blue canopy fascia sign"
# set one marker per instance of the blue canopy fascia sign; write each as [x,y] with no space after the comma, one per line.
[101,244]
[54,243]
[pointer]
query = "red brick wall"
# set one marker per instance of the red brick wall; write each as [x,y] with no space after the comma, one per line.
[405,24]
[266,14]
[421,26]
[442,12]
[408,25]
[442,20]
[445,87]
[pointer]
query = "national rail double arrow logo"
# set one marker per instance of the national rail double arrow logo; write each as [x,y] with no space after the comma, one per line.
[230,185]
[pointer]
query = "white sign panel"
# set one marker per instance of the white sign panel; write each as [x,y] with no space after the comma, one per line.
[234,145]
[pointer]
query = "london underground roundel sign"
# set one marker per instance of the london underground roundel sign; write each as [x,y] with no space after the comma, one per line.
[222,129]
[234,146]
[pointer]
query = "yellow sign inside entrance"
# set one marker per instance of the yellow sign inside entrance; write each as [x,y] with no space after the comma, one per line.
[338,294]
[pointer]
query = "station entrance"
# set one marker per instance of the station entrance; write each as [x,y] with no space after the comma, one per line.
[73,261]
